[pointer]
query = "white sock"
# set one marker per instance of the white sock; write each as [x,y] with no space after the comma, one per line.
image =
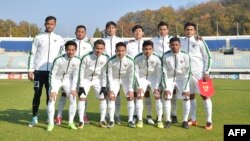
[167,107]
[86,104]
[72,108]
[131,108]
[117,105]
[193,109]
[111,108]
[51,111]
[174,105]
[139,108]
[208,109]
[103,109]
[81,108]
[148,103]
[135,112]
[158,106]
[186,109]
[61,104]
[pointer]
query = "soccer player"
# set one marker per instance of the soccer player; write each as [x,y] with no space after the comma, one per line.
[133,48]
[84,47]
[148,69]
[64,74]
[45,48]
[176,67]
[200,63]
[120,74]
[93,73]
[161,45]
[110,42]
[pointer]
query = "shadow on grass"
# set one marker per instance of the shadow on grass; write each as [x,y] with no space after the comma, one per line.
[23,117]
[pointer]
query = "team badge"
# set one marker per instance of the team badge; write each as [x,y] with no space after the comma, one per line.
[181,61]
[193,46]
[54,40]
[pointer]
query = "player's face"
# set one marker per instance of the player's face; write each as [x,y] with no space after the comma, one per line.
[50,25]
[120,52]
[148,50]
[80,33]
[190,31]
[138,34]
[163,30]
[175,46]
[71,50]
[99,49]
[111,30]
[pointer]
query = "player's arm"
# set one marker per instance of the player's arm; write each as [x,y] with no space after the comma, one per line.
[31,62]
[109,74]
[82,70]
[158,71]
[131,72]
[52,76]
[75,76]
[62,47]
[188,73]
[207,59]
[164,72]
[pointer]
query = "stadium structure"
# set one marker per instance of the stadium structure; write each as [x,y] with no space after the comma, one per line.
[230,55]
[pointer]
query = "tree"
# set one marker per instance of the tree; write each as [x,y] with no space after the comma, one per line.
[97,33]
[9,28]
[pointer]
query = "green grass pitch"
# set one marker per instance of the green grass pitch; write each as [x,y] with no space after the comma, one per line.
[230,106]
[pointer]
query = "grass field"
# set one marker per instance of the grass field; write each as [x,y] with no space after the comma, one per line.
[230,106]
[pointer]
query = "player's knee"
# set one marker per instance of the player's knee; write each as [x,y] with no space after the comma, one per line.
[130,98]
[64,94]
[204,97]
[192,96]
[112,97]
[147,94]
[82,99]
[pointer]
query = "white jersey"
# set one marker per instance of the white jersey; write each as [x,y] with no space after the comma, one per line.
[93,67]
[199,53]
[134,47]
[161,44]
[45,48]
[176,67]
[83,47]
[148,68]
[110,43]
[65,69]
[121,70]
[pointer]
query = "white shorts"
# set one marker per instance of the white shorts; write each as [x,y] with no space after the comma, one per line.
[96,83]
[193,85]
[118,84]
[179,84]
[65,85]
[145,83]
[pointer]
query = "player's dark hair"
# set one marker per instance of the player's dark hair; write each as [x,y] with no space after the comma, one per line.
[108,24]
[173,39]
[68,43]
[190,24]
[147,43]
[120,44]
[81,26]
[99,42]
[50,18]
[162,23]
[137,27]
